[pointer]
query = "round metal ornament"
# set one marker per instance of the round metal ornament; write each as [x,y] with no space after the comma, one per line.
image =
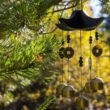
[68,52]
[97,51]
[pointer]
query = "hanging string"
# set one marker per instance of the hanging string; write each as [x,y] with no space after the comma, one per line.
[62,43]
[81,63]
[97,66]
[81,5]
[97,37]
[81,81]
[97,59]
[90,59]
[73,7]
[80,43]
[109,53]
[68,71]
[62,74]
[62,58]
[68,41]
[62,69]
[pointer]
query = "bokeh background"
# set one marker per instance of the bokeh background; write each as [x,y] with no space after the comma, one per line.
[30,67]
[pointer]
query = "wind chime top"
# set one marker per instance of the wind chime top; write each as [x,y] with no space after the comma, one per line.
[79,20]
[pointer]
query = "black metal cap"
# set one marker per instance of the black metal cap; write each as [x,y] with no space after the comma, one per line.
[79,20]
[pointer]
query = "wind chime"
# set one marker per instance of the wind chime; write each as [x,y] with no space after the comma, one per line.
[82,22]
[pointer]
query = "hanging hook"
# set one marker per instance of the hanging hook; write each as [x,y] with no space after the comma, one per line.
[81,5]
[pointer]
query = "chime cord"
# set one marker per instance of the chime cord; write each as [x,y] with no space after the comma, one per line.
[81,5]
[62,69]
[68,63]
[97,59]
[109,53]
[68,72]
[80,43]
[62,58]
[80,65]
[97,63]
[90,59]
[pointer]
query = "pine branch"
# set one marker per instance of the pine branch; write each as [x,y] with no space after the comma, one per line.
[18,14]
[46,103]
[23,60]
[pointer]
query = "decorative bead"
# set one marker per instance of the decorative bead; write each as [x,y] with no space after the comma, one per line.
[90,40]
[68,52]
[96,35]
[68,38]
[81,103]
[61,52]
[97,51]
[81,61]
[81,58]
[68,91]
